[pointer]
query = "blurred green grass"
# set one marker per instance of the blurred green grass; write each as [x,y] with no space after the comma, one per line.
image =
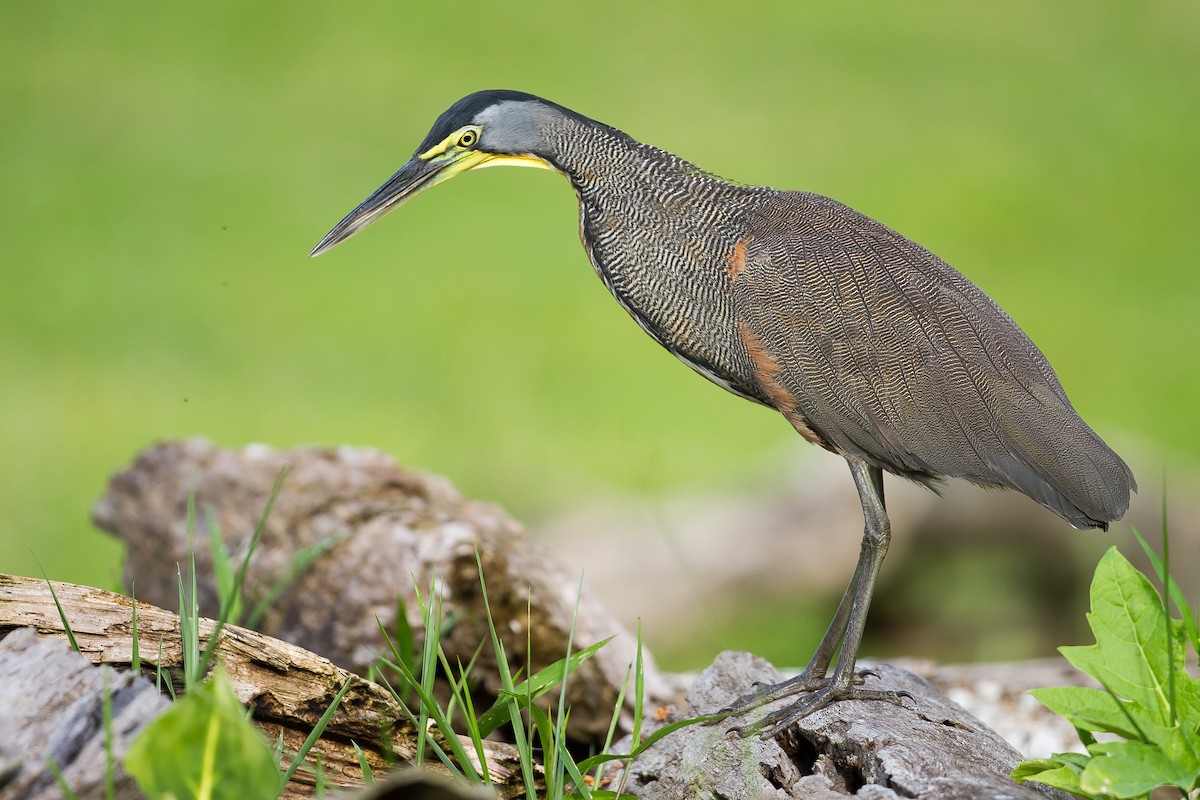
[167,168]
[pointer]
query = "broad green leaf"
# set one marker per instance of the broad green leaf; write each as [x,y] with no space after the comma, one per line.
[204,748]
[1187,700]
[1178,745]
[1176,594]
[1150,698]
[1050,771]
[1130,656]
[1131,769]
[1087,708]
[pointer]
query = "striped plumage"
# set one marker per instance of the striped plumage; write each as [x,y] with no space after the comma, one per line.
[882,351]
[870,345]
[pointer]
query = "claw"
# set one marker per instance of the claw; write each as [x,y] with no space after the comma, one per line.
[815,693]
[780,720]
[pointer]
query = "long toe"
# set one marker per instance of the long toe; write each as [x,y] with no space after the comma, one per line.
[781,719]
[764,693]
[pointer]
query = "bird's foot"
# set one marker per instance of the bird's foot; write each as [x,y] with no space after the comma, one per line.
[762,693]
[818,691]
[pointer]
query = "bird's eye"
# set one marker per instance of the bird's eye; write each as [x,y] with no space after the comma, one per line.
[468,138]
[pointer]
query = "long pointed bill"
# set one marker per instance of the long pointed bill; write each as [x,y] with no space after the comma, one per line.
[413,178]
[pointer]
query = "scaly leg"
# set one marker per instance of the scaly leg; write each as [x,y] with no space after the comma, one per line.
[846,629]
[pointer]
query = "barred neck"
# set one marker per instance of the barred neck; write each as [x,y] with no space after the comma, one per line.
[598,159]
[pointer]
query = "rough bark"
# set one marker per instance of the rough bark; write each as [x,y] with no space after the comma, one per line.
[388,532]
[928,748]
[287,687]
[51,700]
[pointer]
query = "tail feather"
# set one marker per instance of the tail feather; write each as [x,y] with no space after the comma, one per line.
[1061,463]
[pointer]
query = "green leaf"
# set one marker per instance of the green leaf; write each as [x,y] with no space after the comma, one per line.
[1132,769]
[204,748]
[1056,771]
[1087,708]
[1176,594]
[1131,656]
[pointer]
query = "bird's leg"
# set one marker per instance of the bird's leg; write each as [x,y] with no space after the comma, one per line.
[813,676]
[846,628]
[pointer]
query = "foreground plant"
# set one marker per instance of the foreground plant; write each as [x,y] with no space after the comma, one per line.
[205,746]
[538,734]
[1150,704]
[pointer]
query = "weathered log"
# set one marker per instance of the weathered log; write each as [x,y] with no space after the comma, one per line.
[927,747]
[287,687]
[997,693]
[390,532]
[50,712]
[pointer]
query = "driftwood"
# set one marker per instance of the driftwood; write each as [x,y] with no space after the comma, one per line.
[389,532]
[287,687]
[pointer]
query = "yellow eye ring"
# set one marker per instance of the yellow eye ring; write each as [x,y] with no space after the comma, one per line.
[468,138]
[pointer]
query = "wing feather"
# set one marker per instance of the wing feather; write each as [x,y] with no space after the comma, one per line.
[900,361]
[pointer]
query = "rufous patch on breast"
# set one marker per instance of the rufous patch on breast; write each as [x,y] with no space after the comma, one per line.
[737,260]
[767,372]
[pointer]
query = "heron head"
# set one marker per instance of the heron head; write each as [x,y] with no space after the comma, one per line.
[488,128]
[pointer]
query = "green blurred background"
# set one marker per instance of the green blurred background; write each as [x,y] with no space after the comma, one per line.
[167,167]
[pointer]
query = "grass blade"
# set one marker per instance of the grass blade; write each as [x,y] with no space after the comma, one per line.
[639,688]
[367,773]
[231,604]
[1166,606]
[300,561]
[312,738]
[587,765]
[106,715]
[435,712]
[135,661]
[240,578]
[558,743]
[520,740]
[62,615]
[60,779]
[1176,594]
[535,685]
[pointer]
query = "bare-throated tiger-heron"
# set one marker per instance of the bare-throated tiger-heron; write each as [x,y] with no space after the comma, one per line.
[867,343]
